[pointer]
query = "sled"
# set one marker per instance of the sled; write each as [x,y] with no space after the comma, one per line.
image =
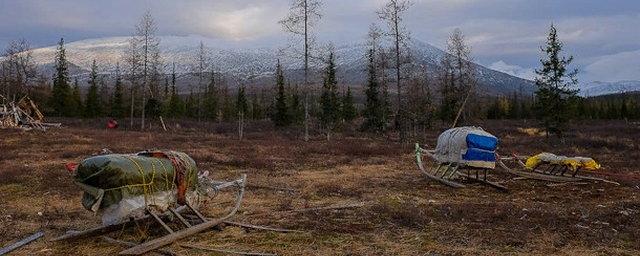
[545,171]
[190,226]
[446,172]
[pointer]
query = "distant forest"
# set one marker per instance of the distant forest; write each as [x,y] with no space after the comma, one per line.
[397,95]
[614,106]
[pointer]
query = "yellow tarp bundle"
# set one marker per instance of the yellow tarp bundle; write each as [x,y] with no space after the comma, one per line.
[572,162]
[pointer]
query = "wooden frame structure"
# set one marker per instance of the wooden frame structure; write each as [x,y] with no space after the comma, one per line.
[445,172]
[24,114]
[191,228]
[545,171]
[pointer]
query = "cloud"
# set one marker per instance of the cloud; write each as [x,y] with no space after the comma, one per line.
[514,70]
[612,68]
[510,31]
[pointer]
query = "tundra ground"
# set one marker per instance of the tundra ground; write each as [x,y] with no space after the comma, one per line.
[404,213]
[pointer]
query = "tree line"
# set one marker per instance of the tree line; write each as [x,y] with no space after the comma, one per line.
[141,87]
[608,107]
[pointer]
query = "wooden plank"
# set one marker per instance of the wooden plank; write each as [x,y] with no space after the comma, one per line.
[553,185]
[271,188]
[185,222]
[536,175]
[334,207]
[168,239]
[227,184]
[483,181]
[455,171]
[226,251]
[101,230]
[250,226]
[197,213]
[596,179]
[429,175]
[21,243]
[130,244]
[554,178]
[159,220]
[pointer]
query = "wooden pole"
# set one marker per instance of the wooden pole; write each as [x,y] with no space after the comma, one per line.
[110,228]
[240,125]
[535,175]
[21,243]
[250,226]
[455,122]
[226,251]
[168,239]
[129,244]
[164,127]
[431,176]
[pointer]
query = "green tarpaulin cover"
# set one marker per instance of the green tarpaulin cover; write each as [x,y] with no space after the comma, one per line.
[107,179]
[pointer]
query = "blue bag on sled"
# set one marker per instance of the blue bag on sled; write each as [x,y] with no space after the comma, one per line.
[470,146]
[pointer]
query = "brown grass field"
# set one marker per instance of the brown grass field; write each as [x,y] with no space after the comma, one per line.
[405,214]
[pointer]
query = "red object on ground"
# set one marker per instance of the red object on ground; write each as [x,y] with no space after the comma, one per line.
[112,124]
[71,167]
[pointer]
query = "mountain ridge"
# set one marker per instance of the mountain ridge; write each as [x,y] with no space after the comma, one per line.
[598,88]
[260,62]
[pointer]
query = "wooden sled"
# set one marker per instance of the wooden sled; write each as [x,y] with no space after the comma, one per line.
[445,172]
[190,228]
[546,171]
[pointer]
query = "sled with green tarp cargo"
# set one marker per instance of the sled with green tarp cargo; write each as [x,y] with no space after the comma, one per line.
[129,190]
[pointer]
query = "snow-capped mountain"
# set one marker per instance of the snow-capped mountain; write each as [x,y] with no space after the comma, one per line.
[604,88]
[259,62]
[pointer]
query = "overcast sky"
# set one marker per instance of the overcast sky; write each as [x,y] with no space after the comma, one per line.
[603,35]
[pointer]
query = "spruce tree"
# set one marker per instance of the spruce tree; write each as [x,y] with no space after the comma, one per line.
[153,108]
[211,99]
[257,112]
[175,108]
[61,91]
[624,110]
[493,110]
[280,117]
[296,110]
[104,97]
[75,103]
[374,105]
[349,111]
[92,104]
[514,107]
[191,106]
[117,100]
[555,86]
[228,110]
[386,105]
[449,95]
[166,94]
[525,106]
[329,104]
[423,109]
[581,109]
[242,105]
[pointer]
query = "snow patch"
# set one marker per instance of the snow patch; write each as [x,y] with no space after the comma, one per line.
[514,70]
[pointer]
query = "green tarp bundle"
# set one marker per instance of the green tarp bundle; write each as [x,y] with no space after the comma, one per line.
[107,179]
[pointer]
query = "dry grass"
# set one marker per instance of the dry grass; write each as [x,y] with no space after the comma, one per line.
[405,214]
